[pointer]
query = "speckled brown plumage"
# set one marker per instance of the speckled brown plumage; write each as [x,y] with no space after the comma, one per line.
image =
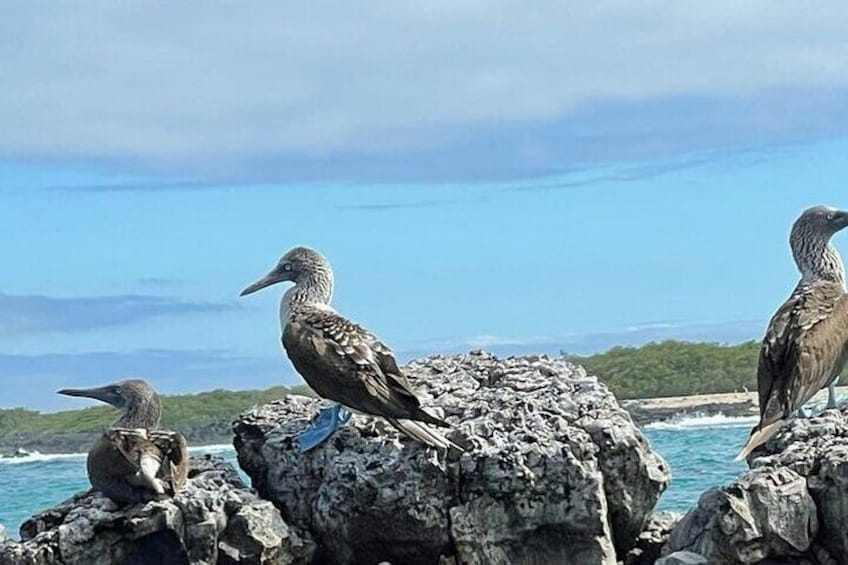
[806,344]
[340,360]
[133,461]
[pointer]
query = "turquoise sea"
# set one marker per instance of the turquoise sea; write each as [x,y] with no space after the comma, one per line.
[700,451]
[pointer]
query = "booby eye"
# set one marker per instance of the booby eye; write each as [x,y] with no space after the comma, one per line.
[287,267]
[831,216]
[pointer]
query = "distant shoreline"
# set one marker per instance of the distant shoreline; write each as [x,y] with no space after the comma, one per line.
[78,443]
[643,412]
[38,455]
[733,404]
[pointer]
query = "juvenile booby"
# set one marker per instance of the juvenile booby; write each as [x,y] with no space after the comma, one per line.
[806,344]
[340,360]
[133,461]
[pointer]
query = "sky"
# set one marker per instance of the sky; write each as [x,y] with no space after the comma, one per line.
[480,175]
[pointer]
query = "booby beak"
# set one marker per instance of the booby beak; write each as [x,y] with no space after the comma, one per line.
[107,394]
[274,277]
[840,220]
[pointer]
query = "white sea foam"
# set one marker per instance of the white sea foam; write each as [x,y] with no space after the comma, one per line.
[36,457]
[703,421]
[214,449]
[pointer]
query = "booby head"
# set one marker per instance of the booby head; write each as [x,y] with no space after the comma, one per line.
[810,240]
[823,221]
[302,266]
[138,402]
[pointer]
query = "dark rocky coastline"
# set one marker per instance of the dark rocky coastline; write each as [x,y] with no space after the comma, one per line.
[555,471]
[647,411]
[79,442]
[790,507]
[214,520]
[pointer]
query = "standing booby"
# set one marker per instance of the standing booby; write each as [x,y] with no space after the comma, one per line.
[133,461]
[340,360]
[806,344]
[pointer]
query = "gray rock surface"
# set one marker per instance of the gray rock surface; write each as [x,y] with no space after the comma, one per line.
[790,507]
[683,558]
[650,542]
[214,520]
[555,471]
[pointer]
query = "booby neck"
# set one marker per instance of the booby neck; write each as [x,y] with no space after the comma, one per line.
[142,414]
[817,259]
[315,289]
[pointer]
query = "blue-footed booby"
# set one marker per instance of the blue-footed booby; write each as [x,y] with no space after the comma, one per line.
[340,360]
[133,461]
[806,344]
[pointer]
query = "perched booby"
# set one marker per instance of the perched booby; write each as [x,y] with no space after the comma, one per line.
[806,344]
[340,360]
[133,461]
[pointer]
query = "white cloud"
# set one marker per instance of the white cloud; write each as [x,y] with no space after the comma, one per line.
[168,82]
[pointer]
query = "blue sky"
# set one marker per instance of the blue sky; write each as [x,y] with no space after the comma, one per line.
[477,176]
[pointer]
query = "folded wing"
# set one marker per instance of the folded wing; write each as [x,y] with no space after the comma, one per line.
[803,351]
[343,362]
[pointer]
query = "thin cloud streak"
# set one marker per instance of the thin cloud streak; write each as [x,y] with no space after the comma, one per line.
[589,343]
[30,380]
[32,314]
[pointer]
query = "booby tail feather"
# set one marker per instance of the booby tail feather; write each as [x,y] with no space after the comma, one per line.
[758,437]
[423,433]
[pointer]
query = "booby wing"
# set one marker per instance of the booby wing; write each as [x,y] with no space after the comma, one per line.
[132,465]
[804,349]
[344,362]
[174,450]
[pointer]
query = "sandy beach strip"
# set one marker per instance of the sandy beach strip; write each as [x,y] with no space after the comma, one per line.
[647,410]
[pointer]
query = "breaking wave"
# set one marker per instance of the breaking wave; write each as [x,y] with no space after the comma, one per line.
[703,421]
[36,457]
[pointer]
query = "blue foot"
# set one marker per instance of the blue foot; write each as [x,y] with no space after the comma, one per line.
[322,427]
[831,396]
[802,413]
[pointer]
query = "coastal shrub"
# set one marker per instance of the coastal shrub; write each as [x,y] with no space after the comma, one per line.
[675,368]
[183,412]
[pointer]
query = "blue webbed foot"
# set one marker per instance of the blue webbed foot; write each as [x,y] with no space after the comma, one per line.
[322,427]
[831,396]
[802,413]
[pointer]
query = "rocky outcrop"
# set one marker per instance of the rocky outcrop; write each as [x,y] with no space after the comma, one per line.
[683,558]
[214,520]
[650,542]
[648,410]
[790,507]
[554,471]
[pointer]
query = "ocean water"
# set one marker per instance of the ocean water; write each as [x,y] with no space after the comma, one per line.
[700,451]
[36,482]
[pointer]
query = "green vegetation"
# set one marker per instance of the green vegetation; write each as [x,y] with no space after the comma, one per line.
[675,368]
[196,410]
[203,416]
[669,368]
